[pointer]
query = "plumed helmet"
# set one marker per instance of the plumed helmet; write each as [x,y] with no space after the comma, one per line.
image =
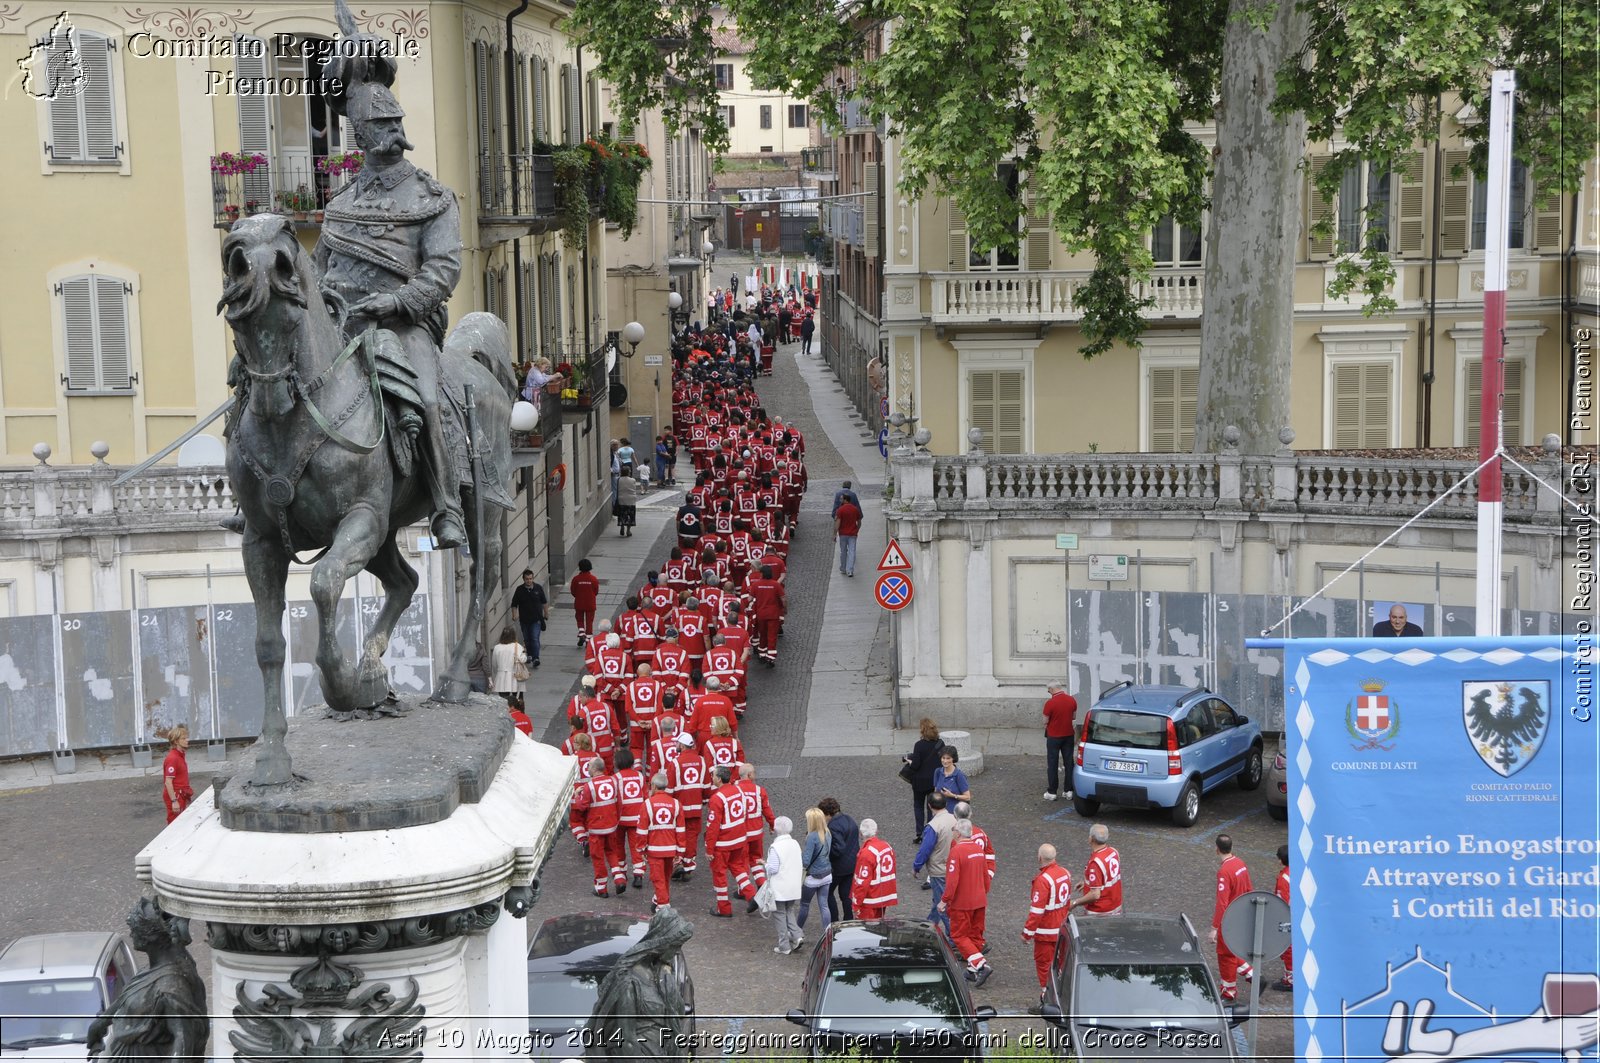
[363,69]
[370,100]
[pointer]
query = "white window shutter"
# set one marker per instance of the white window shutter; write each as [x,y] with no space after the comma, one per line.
[1376,396]
[525,316]
[77,309]
[255,121]
[541,99]
[111,333]
[981,407]
[1362,395]
[99,111]
[1546,227]
[871,212]
[480,78]
[1036,240]
[958,237]
[1455,204]
[1008,406]
[1319,211]
[571,104]
[592,104]
[66,119]
[1413,205]
[1510,402]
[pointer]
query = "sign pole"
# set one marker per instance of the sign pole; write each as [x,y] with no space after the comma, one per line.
[1256,958]
[1502,87]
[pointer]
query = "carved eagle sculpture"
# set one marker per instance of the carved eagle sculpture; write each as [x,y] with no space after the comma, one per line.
[1505,727]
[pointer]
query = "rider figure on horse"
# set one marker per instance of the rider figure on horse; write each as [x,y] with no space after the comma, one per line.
[391,251]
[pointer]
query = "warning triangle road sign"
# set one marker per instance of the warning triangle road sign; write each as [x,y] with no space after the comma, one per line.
[894,559]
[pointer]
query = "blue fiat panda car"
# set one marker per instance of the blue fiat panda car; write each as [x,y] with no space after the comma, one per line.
[1162,747]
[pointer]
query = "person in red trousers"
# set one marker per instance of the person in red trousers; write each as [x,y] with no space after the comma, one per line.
[1233,881]
[966,891]
[585,590]
[662,817]
[1048,905]
[872,889]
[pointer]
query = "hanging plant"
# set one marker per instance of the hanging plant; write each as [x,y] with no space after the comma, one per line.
[572,195]
[625,169]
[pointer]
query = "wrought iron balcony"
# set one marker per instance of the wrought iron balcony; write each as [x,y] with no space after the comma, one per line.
[589,383]
[817,162]
[517,190]
[548,430]
[293,185]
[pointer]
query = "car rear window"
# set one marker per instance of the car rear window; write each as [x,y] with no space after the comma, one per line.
[884,1000]
[1113,992]
[43,1013]
[1139,730]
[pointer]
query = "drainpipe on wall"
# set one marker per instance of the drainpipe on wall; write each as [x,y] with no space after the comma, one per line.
[511,163]
[1433,279]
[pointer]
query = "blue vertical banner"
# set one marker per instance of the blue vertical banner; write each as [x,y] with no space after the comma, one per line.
[1445,847]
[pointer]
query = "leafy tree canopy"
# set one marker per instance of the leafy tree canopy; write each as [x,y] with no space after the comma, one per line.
[1097,99]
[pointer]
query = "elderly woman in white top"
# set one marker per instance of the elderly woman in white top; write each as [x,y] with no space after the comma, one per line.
[784,874]
[539,375]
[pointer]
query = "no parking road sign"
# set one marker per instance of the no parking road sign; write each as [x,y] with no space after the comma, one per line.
[893,591]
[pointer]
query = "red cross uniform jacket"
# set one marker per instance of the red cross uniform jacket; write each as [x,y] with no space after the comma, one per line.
[597,803]
[643,701]
[722,751]
[758,809]
[1104,873]
[631,792]
[966,879]
[1047,904]
[688,778]
[665,834]
[874,882]
[1233,881]
[727,818]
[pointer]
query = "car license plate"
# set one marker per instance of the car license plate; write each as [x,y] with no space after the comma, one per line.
[1131,766]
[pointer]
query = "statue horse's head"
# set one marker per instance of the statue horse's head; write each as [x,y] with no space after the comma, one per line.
[270,296]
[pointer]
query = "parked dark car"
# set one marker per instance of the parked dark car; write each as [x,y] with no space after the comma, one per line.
[53,985]
[1137,987]
[568,958]
[1162,747]
[888,988]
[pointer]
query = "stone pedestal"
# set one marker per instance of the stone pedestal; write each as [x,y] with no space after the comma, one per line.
[365,907]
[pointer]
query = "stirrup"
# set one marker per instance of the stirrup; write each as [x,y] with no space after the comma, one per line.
[448,531]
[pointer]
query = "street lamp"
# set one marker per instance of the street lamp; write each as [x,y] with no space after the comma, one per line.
[674,300]
[524,417]
[633,333]
[707,247]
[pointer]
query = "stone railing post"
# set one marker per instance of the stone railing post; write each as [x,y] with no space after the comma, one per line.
[1547,504]
[101,475]
[1230,483]
[914,481]
[1285,471]
[45,481]
[977,481]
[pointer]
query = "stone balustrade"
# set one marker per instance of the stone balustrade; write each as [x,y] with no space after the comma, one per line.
[1045,296]
[1287,482]
[82,499]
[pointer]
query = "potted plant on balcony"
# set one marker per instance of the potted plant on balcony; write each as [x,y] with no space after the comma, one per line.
[252,206]
[231,211]
[341,163]
[624,168]
[299,203]
[228,164]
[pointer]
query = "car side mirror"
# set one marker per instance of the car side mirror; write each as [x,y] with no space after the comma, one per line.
[1052,1014]
[1240,721]
[798,1017]
[1238,1014]
[983,1013]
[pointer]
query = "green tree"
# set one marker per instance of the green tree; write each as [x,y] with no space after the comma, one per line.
[1095,100]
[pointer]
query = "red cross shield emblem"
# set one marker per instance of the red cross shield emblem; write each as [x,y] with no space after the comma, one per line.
[1372,712]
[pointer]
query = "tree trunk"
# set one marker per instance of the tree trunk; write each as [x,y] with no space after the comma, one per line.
[1247,328]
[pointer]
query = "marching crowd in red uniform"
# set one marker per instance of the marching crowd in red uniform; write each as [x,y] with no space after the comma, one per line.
[656,721]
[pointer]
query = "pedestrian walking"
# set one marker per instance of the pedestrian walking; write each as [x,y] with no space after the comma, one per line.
[846,493]
[1281,888]
[966,893]
[808,328]
[814,857]
[1060,737]
[846,526]
[519,718]
[963,811]
[924,760]
[585,591]
[949,779]
[596,807]
[627,505]
[846,845]
[1102,878]
[504,660]
[176,793]
[530,608]
[1048,906]
[785,876]
[873,889]
[665,839]
[934,854]
[758,809]
[726,822]
[1233,881]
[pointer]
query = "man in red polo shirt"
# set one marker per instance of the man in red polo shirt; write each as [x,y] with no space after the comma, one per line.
[1060,723]
[175,790]
[846,526]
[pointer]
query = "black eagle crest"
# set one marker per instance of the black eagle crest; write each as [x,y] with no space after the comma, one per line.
[1504,728]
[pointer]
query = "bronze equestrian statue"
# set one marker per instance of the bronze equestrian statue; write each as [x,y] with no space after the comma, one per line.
[351,422]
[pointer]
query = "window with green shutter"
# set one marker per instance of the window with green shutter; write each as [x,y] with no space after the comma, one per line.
[94,318]
[1510,407]
[995,406]
[1363,398]
[1174,395]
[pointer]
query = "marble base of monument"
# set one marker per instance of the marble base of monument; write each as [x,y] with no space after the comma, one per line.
[376,903]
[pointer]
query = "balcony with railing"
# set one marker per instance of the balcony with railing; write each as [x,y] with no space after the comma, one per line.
[818,163]
[589,382]
[299,186]
[517,189]
[548,429]
[1039,296]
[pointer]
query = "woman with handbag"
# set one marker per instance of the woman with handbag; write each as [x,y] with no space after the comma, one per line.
[815,858]
[784,876]
[922,761]
[509,665]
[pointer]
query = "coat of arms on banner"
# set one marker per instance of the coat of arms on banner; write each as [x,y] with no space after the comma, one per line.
[1373,717]
[1506,721]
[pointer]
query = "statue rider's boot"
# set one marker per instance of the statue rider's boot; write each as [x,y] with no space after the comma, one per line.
[233,522]
[448,528]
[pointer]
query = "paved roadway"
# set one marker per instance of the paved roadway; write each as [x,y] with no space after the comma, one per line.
[70,848]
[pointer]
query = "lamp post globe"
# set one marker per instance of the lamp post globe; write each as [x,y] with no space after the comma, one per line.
[674,300]
[707,247]
[524,417]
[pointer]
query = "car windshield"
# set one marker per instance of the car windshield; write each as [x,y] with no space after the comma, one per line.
[1140,730]
[48,1012]
[1129,994]
[889,1000]
[563,995]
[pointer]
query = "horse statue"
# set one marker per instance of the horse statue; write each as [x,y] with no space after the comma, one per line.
[323,455]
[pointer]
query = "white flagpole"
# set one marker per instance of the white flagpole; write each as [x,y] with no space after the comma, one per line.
[1491,377]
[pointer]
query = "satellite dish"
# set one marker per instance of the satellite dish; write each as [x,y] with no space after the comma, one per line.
[611,358]
[202,451]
